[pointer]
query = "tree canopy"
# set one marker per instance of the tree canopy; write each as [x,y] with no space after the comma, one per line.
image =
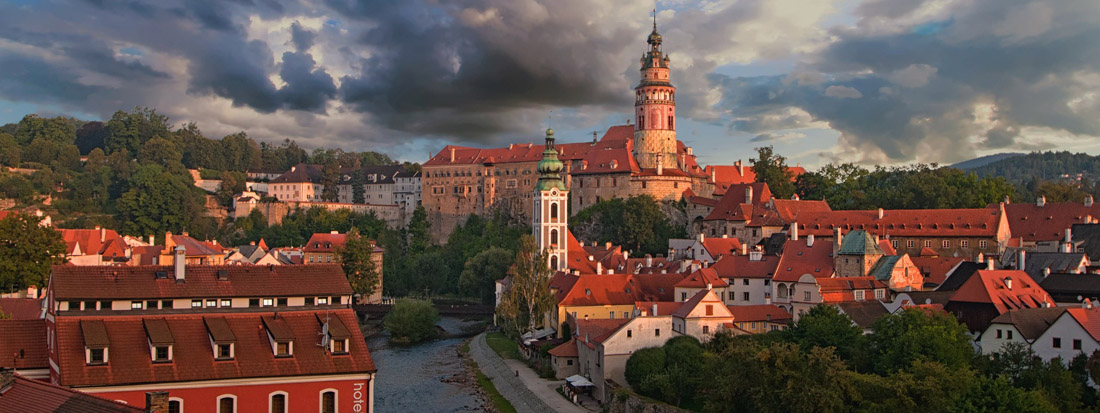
[27,251]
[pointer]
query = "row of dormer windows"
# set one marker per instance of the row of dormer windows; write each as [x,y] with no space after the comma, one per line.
[196,303]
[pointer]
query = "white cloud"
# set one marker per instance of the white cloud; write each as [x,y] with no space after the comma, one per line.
[844,92]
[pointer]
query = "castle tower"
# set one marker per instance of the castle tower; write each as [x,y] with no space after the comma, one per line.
[655,109]
[550,212]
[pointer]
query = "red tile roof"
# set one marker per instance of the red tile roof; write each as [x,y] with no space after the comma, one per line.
[761,312]
[789,209]
[935,269]
[140,282]
[718,247]
[193,358]
[988,286]
[1048,222]
[26,395]
[977,222]
[730,206]
[655,287]
[566,349]
[616,138]
[325,242]
[842,289]
[799,259]
[600,289]
[1089,319]
[591,332]
[740,266]
[23,345]
[21,308]
[701,278]
[194,247]
[95,241]
[688,306]
[663,307]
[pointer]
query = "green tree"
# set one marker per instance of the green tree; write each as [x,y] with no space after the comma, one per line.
[637,222]
[241,152]
[1060,192]
[914,334]
[826,326]
[330,179]
[10,152]
[643,364]
[358,191]
[59,130]
[27,250]
[130,130]
[163,152]
[771,168]
[157,201]
[419,231]
[528,297]
[481,272]
[90,136]
[357,259]
[411,321]
[233,182]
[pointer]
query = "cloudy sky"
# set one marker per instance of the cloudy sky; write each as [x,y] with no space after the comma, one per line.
[873,81]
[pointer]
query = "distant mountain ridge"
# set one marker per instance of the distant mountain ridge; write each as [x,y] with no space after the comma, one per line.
[986,160]
[1040,166]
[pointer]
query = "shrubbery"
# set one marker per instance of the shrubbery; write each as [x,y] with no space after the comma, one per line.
[411,321]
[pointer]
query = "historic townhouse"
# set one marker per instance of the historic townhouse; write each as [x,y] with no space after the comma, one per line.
[216,338]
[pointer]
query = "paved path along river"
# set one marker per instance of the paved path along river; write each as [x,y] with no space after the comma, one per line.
[519,384]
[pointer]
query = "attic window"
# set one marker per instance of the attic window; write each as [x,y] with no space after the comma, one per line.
[160,339]
[222,339]
[279,336]
[162,275]
[587,291]
[223,275]
[96,342]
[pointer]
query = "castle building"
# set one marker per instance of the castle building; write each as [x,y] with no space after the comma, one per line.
[642,157]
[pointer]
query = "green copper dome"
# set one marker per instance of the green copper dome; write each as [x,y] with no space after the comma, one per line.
[550,167]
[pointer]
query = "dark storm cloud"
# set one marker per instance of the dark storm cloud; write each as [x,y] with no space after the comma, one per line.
[301,37]
[32,79]
[307,88]
[433,71]
[894,92]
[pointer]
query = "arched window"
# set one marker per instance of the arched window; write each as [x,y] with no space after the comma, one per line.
[553,212]
[670,122]
[227,403]
[328,401]
[782,290]
[554,262]
[641,122]
[554,237]
[277,402]
[175,405]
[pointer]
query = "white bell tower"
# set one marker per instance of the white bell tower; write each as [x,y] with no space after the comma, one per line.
[551,214]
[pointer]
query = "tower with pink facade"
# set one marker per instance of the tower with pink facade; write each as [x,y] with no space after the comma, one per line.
[655,110]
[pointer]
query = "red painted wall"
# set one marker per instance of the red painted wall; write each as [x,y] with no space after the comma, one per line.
[301,397]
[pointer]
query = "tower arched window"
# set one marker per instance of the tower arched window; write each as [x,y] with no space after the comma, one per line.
[554,212]
[641,122]
[554,262]
[554,237]
[670,122]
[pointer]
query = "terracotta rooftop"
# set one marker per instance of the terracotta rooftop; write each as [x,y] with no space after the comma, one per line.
[1048,222]
[193,358]
[566,349]
[761,312]
[21,308]
[98,241]
[701,279]
[1030,322]
[730,206]
[201,281]
[26,395]
[591,332]
[23,345]
[989,286]
[798,259]
[977,222]
[742,266]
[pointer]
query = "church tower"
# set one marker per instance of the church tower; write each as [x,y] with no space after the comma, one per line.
[550,210]
[655,109]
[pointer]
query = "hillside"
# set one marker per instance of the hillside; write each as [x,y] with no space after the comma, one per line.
[1042,166]
[985,160]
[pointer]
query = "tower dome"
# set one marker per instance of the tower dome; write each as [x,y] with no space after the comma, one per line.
[550,167]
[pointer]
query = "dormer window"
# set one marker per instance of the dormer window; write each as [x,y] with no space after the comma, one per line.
[279,336]
[335,334]
[222,340]
[96,342]
[160,340]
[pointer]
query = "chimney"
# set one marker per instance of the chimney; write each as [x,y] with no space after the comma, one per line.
[724,236]
[689,151]
[599,267]
[626,255]
[713,175]
[1088,200]
[660,167]
[1041,201]
[180,263]
[32,291]
[880,213]
[810,240]
[1046,272]
[694,266]
[648,261]
[1008,283]
[102,234]
[989,264]
[794,231]
[744,249]
[293,168]
[581,243]
[654,309]
[701,237]
[152,240]
[156,402]
[756,255]
[838,238]
[452,154]
[748,194]
[740,169]
[795,197]
[593,137]
[710,286]
[1067,247]
[1086,304]
[1021,260]
[607,245]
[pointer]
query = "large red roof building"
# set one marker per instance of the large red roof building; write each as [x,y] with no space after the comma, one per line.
[216,338]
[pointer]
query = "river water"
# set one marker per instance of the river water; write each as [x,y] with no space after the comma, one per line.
[422,378]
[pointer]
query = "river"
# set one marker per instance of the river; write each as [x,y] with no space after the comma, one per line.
[427,377]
